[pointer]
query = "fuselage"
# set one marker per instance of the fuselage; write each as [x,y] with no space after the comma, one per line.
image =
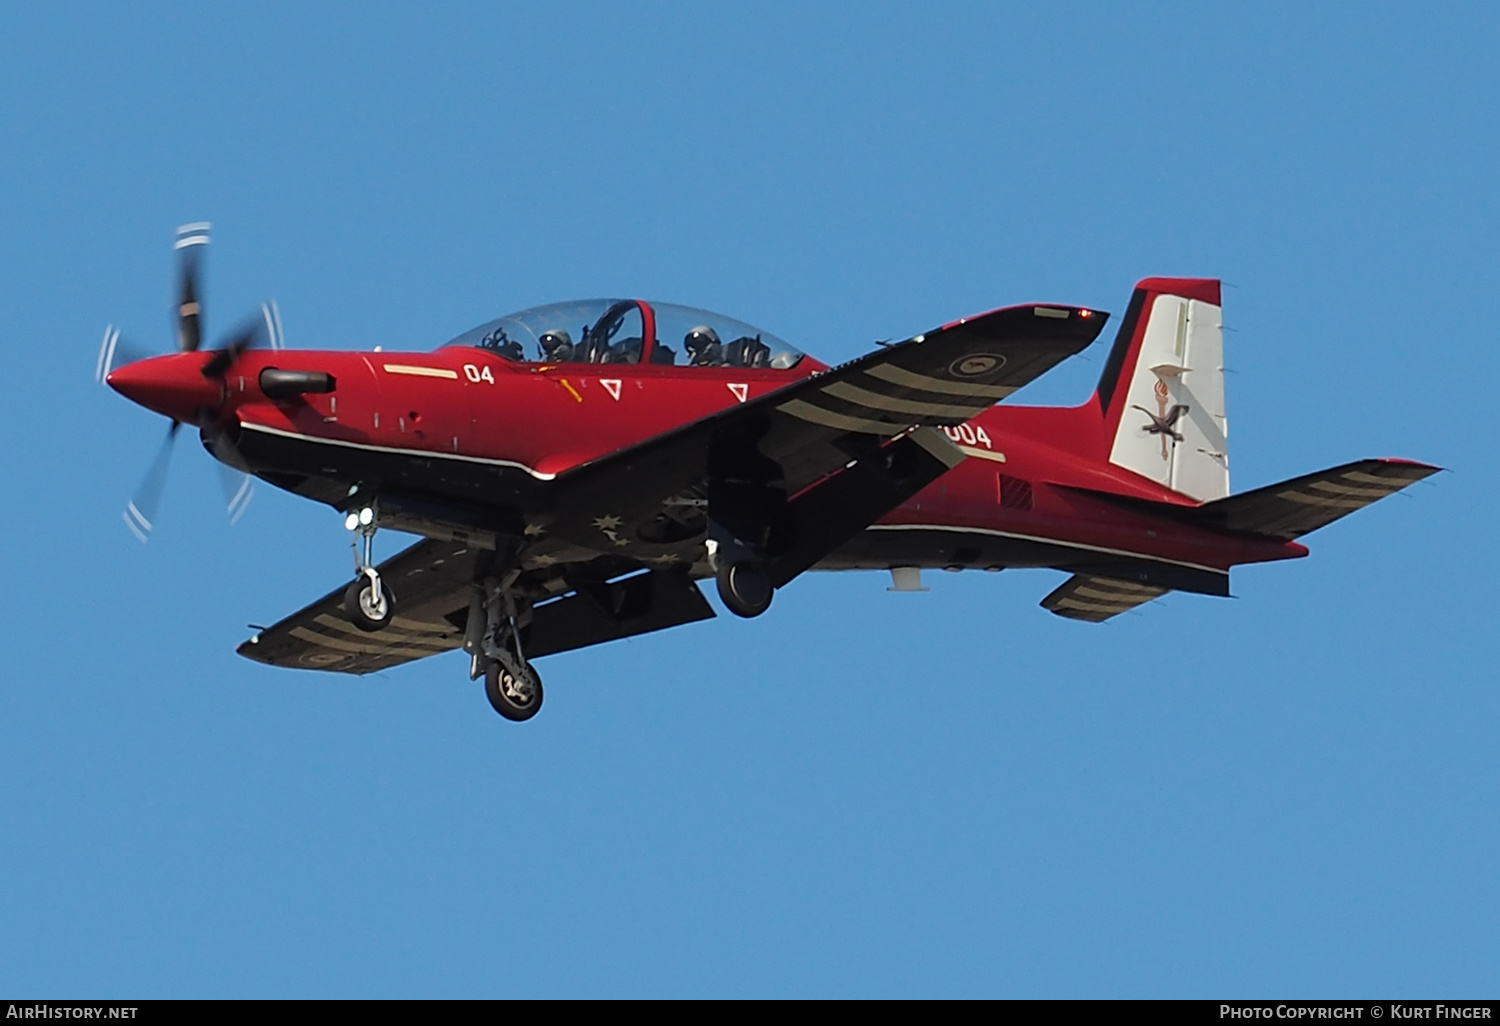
[474,431]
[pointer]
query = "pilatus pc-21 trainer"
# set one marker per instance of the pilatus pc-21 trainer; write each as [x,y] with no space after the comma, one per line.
[573,469]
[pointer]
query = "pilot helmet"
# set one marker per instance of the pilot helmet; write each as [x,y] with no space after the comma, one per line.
[555,341]
[700,338]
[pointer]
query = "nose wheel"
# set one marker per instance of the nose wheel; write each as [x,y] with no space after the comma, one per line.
[368,602]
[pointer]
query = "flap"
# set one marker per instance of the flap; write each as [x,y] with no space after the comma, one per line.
[606,612]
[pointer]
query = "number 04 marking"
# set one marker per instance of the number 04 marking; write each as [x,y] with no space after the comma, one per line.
[478,374]
[968,434]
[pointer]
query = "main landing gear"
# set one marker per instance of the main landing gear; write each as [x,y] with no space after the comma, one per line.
[492,637]
[744,587]
[744,583]
[493,641]
[368,601]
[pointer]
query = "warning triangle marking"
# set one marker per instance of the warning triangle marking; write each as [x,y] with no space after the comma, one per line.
[612,386]
[741,392]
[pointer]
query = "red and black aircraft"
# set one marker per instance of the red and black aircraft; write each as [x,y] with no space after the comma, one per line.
[573,469]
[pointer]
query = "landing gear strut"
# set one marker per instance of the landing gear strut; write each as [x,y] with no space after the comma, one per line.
[493,641]
[368,601]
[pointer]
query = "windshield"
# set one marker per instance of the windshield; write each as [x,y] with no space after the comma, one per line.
[629,331]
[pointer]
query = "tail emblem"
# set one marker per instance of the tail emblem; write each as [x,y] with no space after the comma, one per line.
[1164,421]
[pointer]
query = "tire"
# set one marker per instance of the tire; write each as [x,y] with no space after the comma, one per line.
[745,588]
[500,687]
[366,610]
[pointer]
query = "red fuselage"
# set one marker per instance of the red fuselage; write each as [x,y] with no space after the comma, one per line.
[1027,495]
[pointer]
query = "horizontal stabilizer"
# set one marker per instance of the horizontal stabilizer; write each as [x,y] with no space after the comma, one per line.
[1293,508]
[1096,599]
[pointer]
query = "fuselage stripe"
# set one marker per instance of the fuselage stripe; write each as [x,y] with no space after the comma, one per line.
[420,372]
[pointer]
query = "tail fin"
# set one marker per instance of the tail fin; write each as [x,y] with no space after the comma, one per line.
[1162,390]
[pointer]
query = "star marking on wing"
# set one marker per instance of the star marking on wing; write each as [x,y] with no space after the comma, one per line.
[665,559]
[535,530]
[609,524]
[543,560]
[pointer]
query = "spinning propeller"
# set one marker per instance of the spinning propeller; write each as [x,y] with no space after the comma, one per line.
[193,393]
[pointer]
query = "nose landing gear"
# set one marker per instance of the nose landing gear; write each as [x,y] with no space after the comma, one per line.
[368,601]
[493,641]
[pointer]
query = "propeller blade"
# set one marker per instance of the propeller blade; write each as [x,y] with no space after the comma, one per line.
[191,238]
[239,487]
[115,351]
[260,333]
[140,512]
[272,313]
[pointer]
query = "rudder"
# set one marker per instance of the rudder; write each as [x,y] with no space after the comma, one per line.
[1162,390]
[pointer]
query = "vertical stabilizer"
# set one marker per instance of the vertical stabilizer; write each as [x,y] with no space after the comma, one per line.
[1163,388]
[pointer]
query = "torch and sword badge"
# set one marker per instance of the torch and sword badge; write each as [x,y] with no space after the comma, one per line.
[1164,421]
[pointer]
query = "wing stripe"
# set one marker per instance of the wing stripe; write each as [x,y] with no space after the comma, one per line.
[1315,500]
[1094,607]
[1096,599]
[894,375]
[302,633]
[1340,489]
[874,400]
[827,418]
[1398,480]
[394,632]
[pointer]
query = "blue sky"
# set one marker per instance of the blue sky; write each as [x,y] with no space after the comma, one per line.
[1293,792]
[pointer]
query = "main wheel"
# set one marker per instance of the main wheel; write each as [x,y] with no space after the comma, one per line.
[745,588]
[369,604]
[514,691]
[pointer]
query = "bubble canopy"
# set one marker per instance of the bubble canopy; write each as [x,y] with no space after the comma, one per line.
[629,331]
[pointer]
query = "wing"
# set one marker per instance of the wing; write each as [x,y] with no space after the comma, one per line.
[598,612]
[861,434]
[1293,508]
[1096,599]
[430,580]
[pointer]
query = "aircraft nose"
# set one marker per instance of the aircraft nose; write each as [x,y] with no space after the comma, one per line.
[173,386]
